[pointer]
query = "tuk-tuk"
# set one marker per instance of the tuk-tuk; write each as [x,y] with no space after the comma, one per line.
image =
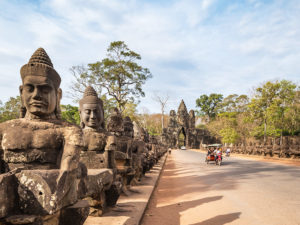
[210,157]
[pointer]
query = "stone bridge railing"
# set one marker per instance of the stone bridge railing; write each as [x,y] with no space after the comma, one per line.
[289,148]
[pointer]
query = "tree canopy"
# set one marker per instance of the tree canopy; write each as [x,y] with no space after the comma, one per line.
[272,111]
[118,77]
[209,105]
[70,114]
[10,109]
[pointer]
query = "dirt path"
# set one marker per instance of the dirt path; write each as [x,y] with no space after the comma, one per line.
[239,192]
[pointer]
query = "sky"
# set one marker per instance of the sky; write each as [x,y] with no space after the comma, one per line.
[191,47]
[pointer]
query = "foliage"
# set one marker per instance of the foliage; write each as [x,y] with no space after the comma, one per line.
[130,110]
[229,135]
[273,111]
[269,105]
[11,109]
[209,105]
[118,76]
[70,114]
[234,103]
[152,122]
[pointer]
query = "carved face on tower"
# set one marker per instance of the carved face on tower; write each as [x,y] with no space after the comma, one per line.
[172,113]
[40,92]
[91,110]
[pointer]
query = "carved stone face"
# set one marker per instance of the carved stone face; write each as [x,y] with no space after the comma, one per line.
[38,95]
[91,115]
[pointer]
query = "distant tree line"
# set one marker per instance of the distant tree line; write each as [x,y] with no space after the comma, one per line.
[272,111]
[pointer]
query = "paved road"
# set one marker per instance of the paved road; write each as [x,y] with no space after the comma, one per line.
[239,192]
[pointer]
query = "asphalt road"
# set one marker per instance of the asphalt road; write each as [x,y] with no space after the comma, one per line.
[239,192]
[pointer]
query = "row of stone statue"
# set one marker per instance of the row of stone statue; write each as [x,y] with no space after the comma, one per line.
[287,147]
[54,172]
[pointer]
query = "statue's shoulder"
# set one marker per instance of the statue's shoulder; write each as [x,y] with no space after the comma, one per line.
[66,126]
[11,123]
[70,132]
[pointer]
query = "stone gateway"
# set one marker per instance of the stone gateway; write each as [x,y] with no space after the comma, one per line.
[181,130]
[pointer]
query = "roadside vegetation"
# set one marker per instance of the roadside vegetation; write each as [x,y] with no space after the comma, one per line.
[273,110]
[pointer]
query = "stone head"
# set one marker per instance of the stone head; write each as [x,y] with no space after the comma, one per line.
[128,127]
[115,122]
[192,113]
[136,130]
[91,110]
[172,113]
[40,92]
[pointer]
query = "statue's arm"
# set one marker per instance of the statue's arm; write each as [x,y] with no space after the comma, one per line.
[70,161]
[73,145]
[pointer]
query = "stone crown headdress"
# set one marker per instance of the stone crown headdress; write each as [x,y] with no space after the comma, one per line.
[115,121]
[40,65]
[90,96]
[127,123]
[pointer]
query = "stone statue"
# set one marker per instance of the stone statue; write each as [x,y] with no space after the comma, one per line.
[123,154]
[40,151]
[141,148]
[137,149]
[98,154]
[172,120]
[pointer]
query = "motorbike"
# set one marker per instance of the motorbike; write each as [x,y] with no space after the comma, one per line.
[227,154]
[219,159]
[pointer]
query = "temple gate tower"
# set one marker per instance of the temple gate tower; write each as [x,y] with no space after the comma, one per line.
[181,130]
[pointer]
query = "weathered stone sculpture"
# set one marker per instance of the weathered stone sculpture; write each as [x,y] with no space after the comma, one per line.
[184,123]
[40,152]
[182,115]
[123,154]
[141,148]
[137,149]
[98,154]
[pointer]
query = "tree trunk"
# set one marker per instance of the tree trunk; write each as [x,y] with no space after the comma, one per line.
[162,119]
[162,122]
[265,131]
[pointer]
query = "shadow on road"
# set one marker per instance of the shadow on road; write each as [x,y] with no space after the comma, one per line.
[170,214]
[221,219]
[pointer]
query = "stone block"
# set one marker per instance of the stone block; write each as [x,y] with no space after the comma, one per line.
[75,214]
[8,194]
[41,194]
[98,180]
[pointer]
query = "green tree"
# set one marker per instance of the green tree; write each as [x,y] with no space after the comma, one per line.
[209,105]
[269,104]
[118,76]
[234,103]
[292,116]
[70,114]
[11,109]
[229,135]
[130,110]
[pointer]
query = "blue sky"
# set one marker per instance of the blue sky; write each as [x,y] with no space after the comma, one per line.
[192,47]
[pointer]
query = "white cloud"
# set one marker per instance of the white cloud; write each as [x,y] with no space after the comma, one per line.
[191,47]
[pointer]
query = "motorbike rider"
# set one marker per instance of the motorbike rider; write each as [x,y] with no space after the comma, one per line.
[227,151]
[209,151]
[218,153]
